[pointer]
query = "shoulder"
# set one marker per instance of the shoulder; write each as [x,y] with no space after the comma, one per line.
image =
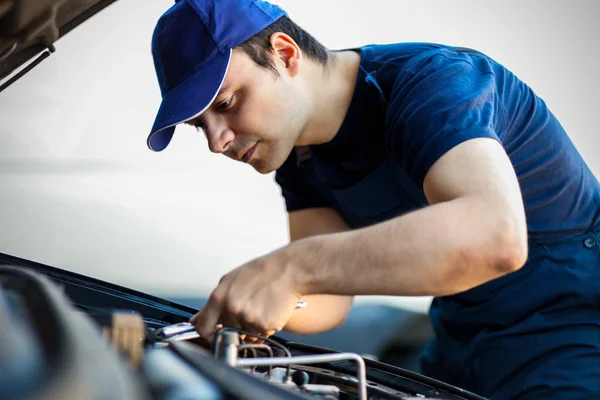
[414,56]
[445,97]
[461,59]
[396,57]
[399,67]
[444,75]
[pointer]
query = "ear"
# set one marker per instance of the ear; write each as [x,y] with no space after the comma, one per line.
[287,52]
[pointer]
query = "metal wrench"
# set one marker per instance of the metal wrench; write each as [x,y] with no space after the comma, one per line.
[169,331]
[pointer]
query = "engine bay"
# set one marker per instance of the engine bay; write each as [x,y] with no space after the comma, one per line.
[57,343]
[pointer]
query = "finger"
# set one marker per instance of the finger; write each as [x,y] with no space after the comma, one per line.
[207,318]
[270,333]
[255,329]
[221,326]
[218,328]
[230,321]
[193,319]
[265,335]
[233,313]
[250,339]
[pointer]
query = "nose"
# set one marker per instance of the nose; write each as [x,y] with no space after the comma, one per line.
[219,135]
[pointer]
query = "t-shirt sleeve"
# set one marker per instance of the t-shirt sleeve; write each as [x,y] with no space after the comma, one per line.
[296,190]
[445,102]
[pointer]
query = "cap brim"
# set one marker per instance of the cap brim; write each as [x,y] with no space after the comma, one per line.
[187,100]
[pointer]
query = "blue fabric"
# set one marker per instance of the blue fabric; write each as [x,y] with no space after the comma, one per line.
[191,47]
[534,334]
[415,101]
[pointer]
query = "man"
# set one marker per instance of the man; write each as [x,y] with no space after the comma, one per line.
[407,169]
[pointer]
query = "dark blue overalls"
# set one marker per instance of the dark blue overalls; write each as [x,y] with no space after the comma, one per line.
[534,334]
[520,336]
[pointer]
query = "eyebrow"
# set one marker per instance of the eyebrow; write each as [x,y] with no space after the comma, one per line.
[225,87]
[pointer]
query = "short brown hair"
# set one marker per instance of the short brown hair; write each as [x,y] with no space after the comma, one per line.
[258,46]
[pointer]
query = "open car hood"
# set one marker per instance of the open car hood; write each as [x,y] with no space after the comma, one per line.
[30,27]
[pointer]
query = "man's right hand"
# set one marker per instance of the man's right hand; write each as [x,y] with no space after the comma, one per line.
[324,312]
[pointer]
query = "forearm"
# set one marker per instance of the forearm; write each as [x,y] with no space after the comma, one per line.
[324,313]
[439,250]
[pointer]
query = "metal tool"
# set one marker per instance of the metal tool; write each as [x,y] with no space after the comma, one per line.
[169,331]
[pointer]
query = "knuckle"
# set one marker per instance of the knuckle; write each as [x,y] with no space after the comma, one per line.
[264,327]
[234,308]
[257,323]
[216,298]
[250,318]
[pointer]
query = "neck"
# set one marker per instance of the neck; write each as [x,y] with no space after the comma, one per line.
[332,87]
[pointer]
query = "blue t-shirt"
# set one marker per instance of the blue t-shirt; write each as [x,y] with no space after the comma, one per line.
[415,101]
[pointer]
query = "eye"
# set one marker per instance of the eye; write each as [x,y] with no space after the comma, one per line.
[225,105]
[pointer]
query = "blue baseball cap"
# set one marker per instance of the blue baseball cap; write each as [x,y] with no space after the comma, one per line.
[191,46]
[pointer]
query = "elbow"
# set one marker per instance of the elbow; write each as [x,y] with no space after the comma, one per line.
[511,259]
[335,324]
[312,327]
[512,250]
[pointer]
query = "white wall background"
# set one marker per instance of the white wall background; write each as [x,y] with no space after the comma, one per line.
[79,189]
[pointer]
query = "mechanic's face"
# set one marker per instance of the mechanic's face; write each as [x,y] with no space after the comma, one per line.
[257,117]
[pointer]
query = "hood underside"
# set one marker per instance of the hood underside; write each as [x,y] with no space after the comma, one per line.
[28,27]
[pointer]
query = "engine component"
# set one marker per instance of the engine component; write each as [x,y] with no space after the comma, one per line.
[231,341]
[325,392]
[183,328]
[127,333]
[66,357]
[70,355]
[318,359]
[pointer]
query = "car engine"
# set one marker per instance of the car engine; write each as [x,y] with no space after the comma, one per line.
[57,342]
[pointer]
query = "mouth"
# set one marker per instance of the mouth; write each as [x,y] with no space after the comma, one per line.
[248,155]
